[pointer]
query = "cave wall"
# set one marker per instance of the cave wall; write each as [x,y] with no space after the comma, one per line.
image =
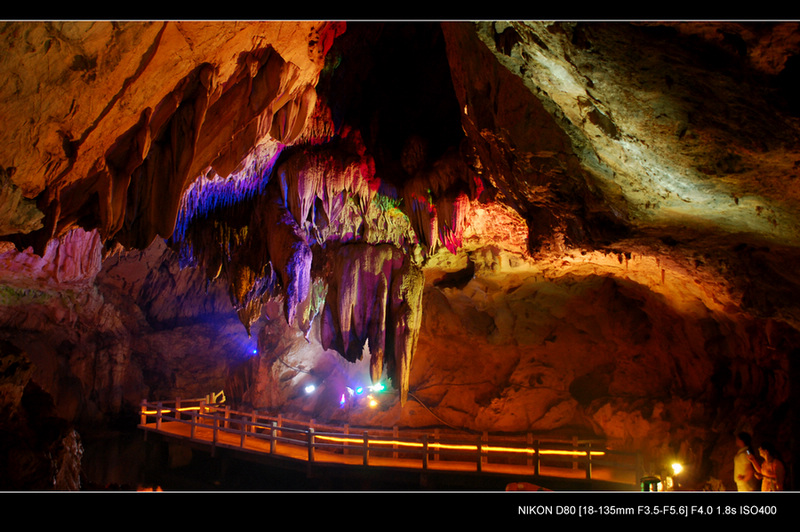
[551,227]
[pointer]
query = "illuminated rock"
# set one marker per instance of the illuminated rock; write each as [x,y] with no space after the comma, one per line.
[525,226]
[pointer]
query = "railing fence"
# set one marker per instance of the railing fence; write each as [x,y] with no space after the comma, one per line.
[436,446]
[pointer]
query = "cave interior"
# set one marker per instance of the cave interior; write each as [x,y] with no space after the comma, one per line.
[564,228]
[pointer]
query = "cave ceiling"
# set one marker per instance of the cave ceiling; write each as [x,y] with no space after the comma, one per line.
[342,166]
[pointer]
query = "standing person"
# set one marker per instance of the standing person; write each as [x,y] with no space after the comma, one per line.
[771,471]
[743,472]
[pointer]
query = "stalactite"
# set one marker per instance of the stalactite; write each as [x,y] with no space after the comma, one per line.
[288,251]
[243,116]
[452,220]
[357,298]
[289,121]
[249,310]
[211,192]
[313,305]
[375,298]
[437,201]
[406,319]
[120,162]
[424,220]
[327,199]
[326,178]
[319,126]
[157,184]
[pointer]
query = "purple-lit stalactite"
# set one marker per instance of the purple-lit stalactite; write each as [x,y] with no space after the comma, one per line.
[437,199]
[207,194]
[289,253]
[329,176]
[374,302]
[424,220]
[366,286]
[452,220]
[358,295]
[440,222]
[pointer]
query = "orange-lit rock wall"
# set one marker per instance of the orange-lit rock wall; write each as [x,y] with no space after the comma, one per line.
[559,228]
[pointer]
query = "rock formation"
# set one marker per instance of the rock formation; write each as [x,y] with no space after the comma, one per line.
[558,227]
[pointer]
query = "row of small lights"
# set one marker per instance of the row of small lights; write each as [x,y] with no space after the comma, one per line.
[353,392]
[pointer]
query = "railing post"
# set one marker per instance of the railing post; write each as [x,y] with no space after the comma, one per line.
[485,457]
[274,437]
[424,451]
[575,448]
[158,416]
[537,464]
[177,409]
[589,461]
[195,414]
[226,424]
[529,442]
[639,468]
[366,448]
[243,428]
[436,439]
[480,455]
[144,417]
[215,425]
[310,444]
[395,435]
[346,445]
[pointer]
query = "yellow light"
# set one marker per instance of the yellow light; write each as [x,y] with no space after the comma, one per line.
[168,410]
[457,447]
[677,468]
[573,453]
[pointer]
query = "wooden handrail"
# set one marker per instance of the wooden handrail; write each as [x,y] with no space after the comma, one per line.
[420,445]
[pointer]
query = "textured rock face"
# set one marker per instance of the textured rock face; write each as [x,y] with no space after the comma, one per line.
[563,228]
[120,143]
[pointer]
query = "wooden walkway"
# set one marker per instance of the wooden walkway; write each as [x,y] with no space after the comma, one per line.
[276,438]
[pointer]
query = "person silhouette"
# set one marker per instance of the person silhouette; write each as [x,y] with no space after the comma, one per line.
[771,471]
[743,471]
